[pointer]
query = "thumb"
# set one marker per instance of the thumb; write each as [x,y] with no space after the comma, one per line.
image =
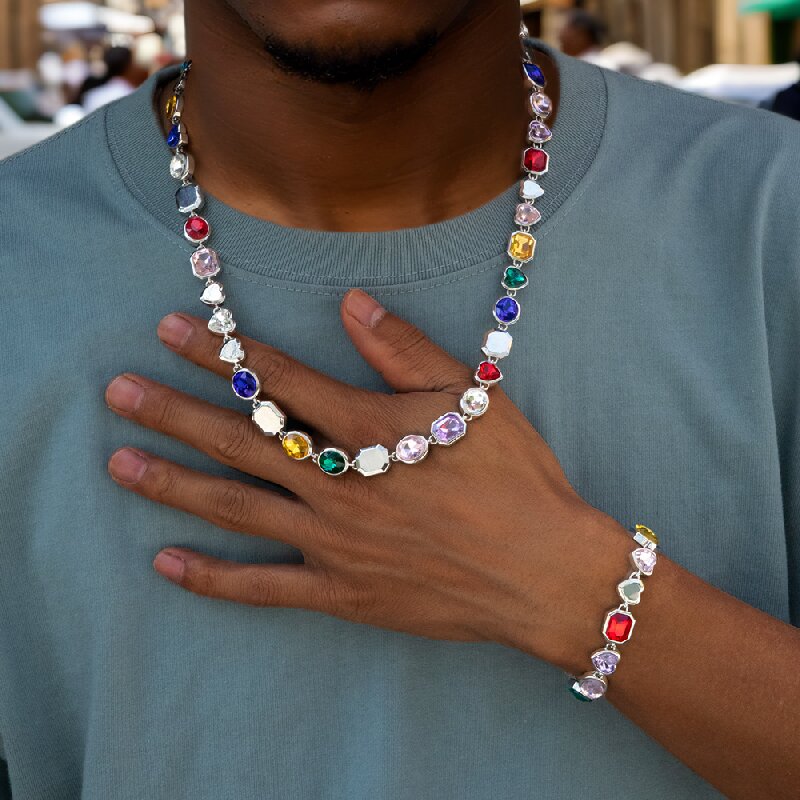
[401,353]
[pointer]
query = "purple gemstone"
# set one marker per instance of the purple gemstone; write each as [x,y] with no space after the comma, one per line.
[449,428]
[506,310]
[245,384]
[591,687]
[541,104]
[605,661]
[527,214]
[539,133]
[411,449]
[205,262]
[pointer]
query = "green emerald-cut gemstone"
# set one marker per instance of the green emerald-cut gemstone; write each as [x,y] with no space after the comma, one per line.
[514,278]
[332,462]
[576,692]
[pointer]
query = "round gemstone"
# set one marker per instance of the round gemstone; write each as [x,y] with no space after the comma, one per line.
[245,384]
[605,661]
[534,73]
[589,687]
[488,373]
[514,278]
[475,401]
[297,445]
[205,262]
[332,461]
[619,626]
[411,449]
[449,428]
[536,160]
[541,104]
[507,310]
[196,229]
[527,214]
[539,133]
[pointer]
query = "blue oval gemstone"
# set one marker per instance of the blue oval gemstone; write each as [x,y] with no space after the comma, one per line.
[245,384]
[534,72]
[174,136]
[506,310]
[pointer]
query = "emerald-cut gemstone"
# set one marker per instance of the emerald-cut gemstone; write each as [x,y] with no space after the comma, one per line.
[514,278]
[333,461]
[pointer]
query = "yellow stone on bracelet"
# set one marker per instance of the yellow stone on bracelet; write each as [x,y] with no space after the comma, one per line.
[647,533]
[170,106]
[297,445]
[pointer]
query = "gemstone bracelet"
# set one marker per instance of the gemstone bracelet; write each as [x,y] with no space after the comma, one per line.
[447,429]
[619,622]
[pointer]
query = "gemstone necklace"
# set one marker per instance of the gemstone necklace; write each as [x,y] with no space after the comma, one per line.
[450,427]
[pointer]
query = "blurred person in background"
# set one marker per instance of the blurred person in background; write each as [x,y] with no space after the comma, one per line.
[258,314]
[787,101]
[122,75]
[582,35]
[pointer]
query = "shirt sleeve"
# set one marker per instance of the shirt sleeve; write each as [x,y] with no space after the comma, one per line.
[780,223]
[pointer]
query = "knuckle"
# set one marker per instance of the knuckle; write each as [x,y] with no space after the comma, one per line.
[352,601]
[231,505]
[163,481]
[408,341]
[231,438]
[202,580]
[167,408]
[274,371]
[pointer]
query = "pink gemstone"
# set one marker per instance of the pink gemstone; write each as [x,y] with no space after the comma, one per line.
[541,104]
[527,214]
[539,133]
[449,428]
[592,687]
[605,661]
[644,559]
[412,449]
[205,262]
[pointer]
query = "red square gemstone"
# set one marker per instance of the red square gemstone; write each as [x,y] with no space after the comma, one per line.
[536,160]
[619,626]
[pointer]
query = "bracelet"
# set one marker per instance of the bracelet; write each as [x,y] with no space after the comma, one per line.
[619,622]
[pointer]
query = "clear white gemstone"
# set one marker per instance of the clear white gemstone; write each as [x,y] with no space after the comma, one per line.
[644,559]
[372,461]
[530,189]
[232,351]
[181,166]
[213,294]
[474,401]
[221,322]
[630,590]
[497,344]
[269,418]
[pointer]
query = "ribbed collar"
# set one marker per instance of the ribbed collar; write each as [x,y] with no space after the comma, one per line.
[368,259]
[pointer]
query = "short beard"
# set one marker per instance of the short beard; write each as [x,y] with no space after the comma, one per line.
[362,69]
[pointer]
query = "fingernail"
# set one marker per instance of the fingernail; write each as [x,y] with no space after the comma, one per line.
[364,308]
[174,330]
[124,394]
[127,466]
[170,565]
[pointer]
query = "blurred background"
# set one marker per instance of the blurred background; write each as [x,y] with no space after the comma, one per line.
[61,60]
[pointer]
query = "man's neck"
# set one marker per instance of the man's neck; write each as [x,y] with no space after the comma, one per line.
[439,141]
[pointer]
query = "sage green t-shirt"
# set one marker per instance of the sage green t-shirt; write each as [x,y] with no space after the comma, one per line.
[657,355]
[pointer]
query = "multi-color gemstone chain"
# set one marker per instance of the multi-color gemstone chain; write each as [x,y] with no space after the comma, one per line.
[619,622]
[450,427]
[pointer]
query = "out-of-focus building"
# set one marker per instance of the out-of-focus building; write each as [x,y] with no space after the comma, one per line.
[686,33]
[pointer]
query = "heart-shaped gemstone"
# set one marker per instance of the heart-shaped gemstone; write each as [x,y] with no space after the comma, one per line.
[232,351]
[221,322]
[644,560]
[605,661]
[488,373]
[630,590]
[213,294]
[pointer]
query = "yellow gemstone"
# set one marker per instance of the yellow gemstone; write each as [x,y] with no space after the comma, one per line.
[647,533]
[172,104]
[522,246]
[297,445]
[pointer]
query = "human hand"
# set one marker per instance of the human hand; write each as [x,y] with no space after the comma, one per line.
[470,544]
